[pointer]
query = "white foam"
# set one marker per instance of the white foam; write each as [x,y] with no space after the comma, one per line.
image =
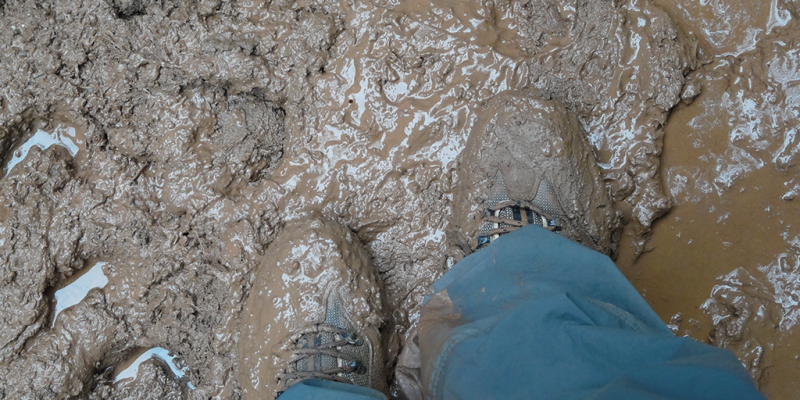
[777,17]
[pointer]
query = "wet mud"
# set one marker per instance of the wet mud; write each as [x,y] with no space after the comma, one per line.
[722,266]
[178,137]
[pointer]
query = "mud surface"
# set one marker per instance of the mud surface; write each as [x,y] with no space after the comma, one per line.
[722,266]
[202,126]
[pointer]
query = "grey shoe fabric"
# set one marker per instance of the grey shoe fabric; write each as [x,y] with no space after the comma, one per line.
[503,214]
[331,351]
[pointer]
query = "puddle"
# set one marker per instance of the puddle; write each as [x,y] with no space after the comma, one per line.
[76,286]
[62,136]
[130,371]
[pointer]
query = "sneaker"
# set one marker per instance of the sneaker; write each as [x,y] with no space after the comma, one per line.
[528,162]
[314,312]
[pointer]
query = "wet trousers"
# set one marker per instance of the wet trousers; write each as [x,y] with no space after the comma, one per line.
[537,316]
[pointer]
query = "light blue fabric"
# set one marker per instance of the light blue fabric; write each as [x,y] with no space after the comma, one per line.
[545,318]
[313,389]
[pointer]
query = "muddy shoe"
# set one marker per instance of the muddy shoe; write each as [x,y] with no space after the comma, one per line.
[313,312]
[527,161]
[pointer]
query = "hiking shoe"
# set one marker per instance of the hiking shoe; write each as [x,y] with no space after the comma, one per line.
[527,161]
[314,312]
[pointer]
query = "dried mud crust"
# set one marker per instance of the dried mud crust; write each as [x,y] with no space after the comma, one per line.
[189,112]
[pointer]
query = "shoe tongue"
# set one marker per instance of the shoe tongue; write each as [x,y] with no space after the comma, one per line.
[317,362]
[333,315]
[499,194]
[321,361]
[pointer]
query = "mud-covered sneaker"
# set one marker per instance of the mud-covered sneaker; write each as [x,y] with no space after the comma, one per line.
[527,161]
[503,215]
[314,312]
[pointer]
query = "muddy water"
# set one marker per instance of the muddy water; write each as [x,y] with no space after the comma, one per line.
[722,265]
[202,127]
[61,136]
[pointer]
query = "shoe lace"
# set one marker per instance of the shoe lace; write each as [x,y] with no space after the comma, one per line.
[505,225]
[346,363]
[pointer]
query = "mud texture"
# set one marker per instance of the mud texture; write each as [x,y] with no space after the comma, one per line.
[155,375]
[533,144]
[203,125]
[723,264]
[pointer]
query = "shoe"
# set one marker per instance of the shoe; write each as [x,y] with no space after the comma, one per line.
[314,312]
[503,215]
[527,161]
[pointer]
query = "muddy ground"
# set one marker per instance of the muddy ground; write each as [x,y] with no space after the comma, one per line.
[724,264]
[169,142]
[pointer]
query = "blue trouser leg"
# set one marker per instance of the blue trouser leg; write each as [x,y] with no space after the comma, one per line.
[327,390]
[535,315]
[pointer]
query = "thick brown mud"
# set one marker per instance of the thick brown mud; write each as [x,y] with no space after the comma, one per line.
[172,140]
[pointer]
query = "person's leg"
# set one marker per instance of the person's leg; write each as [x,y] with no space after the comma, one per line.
[327,390]
[535,315]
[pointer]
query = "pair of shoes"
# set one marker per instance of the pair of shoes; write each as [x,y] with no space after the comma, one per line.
[527,162]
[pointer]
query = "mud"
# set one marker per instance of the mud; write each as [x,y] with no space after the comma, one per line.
[201,127]
[154,372]
[158,356]
[722,264]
